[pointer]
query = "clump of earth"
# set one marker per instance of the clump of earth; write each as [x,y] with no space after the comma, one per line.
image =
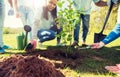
[27,66]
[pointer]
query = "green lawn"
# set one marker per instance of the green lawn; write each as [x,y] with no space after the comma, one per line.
[92,66]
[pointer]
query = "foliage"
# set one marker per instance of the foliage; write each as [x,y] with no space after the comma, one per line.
[98,17]
[67,17]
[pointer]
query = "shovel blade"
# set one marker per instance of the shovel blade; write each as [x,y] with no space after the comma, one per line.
[98,37]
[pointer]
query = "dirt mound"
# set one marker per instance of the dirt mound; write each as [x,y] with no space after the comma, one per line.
[28,66]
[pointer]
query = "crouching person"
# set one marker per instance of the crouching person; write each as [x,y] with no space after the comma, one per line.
[44,28]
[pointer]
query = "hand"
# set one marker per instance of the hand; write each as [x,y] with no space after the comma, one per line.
[17,14]
[11,12]
[97,45]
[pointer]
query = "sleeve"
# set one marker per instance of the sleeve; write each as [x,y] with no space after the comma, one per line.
[36,22]
[113,35]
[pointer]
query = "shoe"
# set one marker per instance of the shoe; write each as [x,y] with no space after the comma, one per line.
[84,45]
[1,50]
[74,44]
[31,46]
[6,47]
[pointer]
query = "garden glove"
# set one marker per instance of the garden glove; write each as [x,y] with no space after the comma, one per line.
[31,46]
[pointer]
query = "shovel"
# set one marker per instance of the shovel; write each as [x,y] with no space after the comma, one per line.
[27,29]
[100,36]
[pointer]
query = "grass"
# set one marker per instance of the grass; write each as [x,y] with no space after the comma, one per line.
[94,62]
[92,66]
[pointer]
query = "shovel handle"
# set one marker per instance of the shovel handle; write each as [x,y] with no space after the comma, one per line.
[107,16]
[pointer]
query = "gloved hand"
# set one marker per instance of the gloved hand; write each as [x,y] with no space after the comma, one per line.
[11,12]
[97,45]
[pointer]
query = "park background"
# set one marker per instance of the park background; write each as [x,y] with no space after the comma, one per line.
[92,62]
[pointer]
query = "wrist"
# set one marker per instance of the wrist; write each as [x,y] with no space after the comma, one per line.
[101,44]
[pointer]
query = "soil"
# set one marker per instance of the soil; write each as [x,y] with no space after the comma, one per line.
[58,57]
[39,63]
[28,66]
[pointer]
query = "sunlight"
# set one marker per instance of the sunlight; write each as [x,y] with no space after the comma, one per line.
[39,3]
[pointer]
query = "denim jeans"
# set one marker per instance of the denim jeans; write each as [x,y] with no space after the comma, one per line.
[2,16]
[27,16]
[85,27]
[46,35]
[55,29]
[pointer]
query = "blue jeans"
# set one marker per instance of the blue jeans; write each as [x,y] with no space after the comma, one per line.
[2,16]
[85,27]
[27,16]
[46,35]
[49,34]
[55,29]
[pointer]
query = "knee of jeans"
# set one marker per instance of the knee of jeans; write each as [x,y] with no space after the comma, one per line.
[52,36]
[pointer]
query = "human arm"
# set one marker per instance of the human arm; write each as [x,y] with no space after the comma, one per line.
[10,2]
[113,35]
[36,22]
[15,6]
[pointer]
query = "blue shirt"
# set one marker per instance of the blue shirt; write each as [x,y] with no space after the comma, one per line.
[115,33]
[83,6]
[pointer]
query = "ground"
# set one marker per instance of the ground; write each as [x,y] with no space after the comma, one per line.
[55,56]
[58,57]
[80,60]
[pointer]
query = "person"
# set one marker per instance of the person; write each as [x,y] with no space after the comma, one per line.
[114,69]
[44,28]
[2,17]
[11,10]
[109,38]
[24,9]
[113,35]
[84,7]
